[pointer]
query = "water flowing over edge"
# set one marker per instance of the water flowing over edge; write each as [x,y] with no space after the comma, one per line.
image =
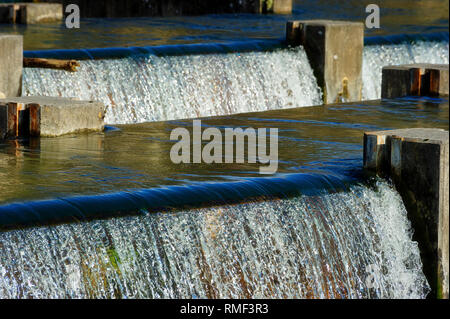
[348,237]
[157,88]
[375,57]
[354,244]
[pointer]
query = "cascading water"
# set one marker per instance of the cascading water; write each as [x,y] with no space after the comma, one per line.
[157,88]
[375,57]
[353,244]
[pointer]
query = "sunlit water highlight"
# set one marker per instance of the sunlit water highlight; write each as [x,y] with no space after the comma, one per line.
[354,244]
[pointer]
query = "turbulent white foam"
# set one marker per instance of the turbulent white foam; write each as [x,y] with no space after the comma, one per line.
[174,87]
[355,244]
[375,57]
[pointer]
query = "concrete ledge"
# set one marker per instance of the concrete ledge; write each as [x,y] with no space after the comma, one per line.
[30,13]
[11,61]
[415,80]
[48,116]
[417,162]
[338,70]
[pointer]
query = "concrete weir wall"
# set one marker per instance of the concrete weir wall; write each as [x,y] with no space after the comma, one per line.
[338,70]
[149,8]
[414,80]
[30,13]
[11,61]
[48,116]
[417,161]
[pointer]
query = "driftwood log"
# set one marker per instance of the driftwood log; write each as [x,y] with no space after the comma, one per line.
[67,65]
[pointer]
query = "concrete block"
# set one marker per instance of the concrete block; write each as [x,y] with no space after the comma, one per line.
[41,13]
[49,116]
[11,61]
[282,7]
[417,162]
[414,80]
[276,6]
[30,13]
[9,12]
[337,68]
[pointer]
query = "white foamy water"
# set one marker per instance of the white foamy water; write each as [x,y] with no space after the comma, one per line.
[156,88]
[153,88]
[355,244]
[375,57]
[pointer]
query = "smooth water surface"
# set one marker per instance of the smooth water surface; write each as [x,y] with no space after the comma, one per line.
[413,17]
[323,139]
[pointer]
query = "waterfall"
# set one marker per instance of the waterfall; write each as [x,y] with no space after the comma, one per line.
[152,87]
[375,57]
[157,88]
[353,244]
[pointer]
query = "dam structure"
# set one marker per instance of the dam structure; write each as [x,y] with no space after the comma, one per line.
[193,80]
[105,213]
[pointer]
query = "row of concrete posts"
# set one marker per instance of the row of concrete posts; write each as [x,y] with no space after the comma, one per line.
[53,10]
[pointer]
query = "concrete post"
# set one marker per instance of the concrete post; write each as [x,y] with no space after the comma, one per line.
[48,116]
[9,13]
[414,80]
[28,13]
[11,60]
[417,162]
[334,50]
[276,6]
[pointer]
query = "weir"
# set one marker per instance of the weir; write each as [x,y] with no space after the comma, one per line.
[281,237]
[165,87]
[152,8]
[293,235]
[183,82]
[303,247]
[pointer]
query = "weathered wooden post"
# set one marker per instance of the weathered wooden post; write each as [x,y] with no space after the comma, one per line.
[35,119]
